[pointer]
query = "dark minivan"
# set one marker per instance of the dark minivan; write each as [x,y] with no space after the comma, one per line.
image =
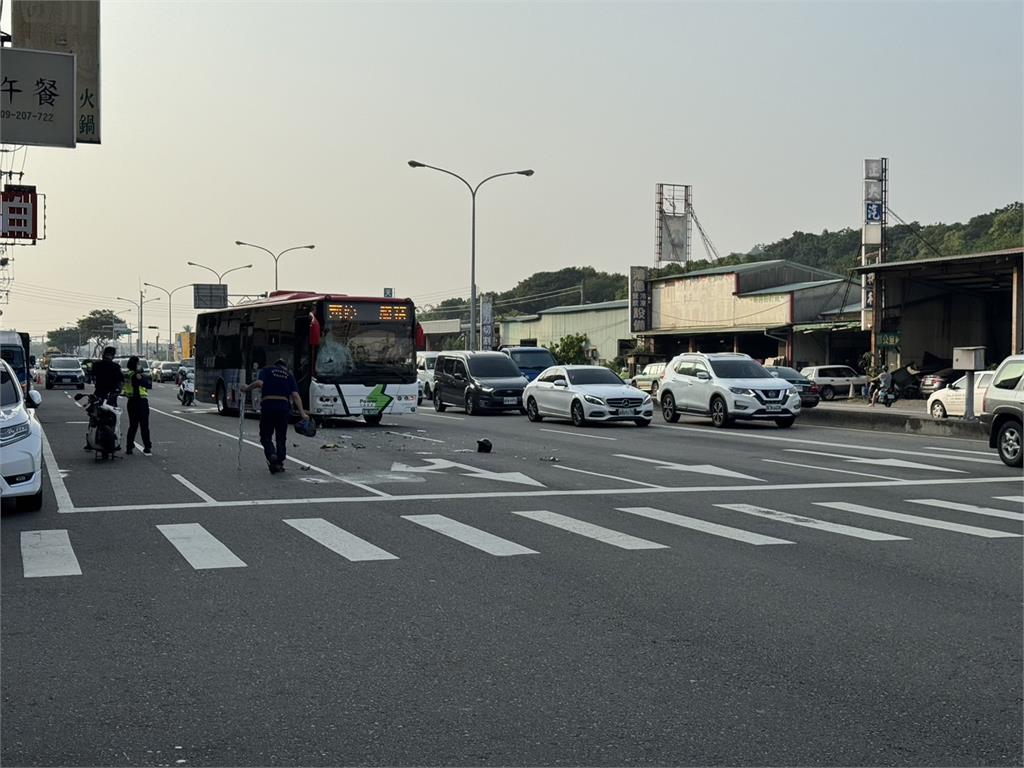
[478,381]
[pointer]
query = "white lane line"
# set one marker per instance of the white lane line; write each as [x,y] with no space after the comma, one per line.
[200,547]
[589,530]
[414,437]
[881,462]
[448,498]
[960,450]
[439,416]
[195,489]
[927,522]
[60,491]
[142,450]
[467,534]
[610,477]
[338,540]
[810,522]
[76,422]
[989,511]
[300,462]
[704,469]
[1016,499]
[48,553]
[750,435]
[704,526]
[576,434]
[828,469]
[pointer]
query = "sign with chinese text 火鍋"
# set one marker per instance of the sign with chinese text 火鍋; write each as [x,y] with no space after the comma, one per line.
[67,26]
[18,213]
[639,300]
[37,98]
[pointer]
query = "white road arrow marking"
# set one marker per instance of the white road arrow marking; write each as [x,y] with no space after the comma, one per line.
[703,469]
[878,462]
[436,465]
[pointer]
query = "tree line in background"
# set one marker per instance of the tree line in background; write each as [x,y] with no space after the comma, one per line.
[96,328]
[837,252]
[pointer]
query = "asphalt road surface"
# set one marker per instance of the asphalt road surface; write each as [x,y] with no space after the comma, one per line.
[610,595]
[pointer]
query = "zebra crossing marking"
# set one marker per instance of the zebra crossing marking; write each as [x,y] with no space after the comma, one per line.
[927,522]
[199,547]
[969,508]
[589,530]
[809,522]
[704,526]
[48,553]
[467,534]
[348,545]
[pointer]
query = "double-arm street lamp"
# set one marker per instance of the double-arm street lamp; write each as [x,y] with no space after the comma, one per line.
[139,305]
[472,251]
[170,323]
[276,256]
[219,275]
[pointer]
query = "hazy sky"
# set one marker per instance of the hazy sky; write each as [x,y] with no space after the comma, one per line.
[290,123]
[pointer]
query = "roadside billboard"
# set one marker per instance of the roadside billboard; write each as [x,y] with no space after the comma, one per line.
[67,26]
[37,98]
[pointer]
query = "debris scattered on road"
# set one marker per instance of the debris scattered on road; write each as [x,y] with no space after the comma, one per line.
[483,446]
[549,458]
[329,447]
[305,467]
[358,445]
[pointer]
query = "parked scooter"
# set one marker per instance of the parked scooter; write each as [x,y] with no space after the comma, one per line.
[889,396]
[103,435]
[187,390]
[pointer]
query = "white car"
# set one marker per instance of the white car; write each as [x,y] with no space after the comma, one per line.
[952,400]
[21,442]
[425,373]
[585,393]
[834,380]
[726,386]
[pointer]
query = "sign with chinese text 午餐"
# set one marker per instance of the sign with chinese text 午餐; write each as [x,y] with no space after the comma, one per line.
[67,26]
[37,98]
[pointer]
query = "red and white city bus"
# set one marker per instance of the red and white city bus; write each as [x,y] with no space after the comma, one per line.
[352,356]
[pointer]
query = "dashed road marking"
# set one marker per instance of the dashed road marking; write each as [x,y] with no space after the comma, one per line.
[48,553]
[927,522]
[338,540]
[199,547]
[810,522]
[467,534]
[589,530]
[695,524]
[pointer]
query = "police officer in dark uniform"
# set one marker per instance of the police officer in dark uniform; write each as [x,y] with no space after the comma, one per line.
[107,376]
[278,392]
[136,389]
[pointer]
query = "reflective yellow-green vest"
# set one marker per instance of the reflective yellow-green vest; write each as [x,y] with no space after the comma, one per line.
[133,387]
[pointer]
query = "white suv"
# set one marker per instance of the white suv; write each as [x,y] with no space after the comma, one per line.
[834,380]
[726,386]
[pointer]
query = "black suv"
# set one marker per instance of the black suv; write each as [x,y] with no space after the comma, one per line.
[478,381]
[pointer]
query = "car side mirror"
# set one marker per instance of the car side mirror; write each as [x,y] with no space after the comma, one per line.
[459,377]
[35,399]
[560,383]
[703,375]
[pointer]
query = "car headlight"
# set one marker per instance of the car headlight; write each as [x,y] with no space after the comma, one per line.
[648,400]
[593,400]
[487,390]
[14,433]
[742,391]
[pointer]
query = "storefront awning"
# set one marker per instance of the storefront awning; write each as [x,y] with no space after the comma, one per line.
[809,327]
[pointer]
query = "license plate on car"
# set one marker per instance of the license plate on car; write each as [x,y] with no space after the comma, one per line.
[773,408]
[510,401]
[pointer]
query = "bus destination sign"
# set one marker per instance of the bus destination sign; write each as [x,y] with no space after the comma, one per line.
[368,312]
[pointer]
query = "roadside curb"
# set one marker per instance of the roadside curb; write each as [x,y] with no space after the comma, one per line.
[883,421]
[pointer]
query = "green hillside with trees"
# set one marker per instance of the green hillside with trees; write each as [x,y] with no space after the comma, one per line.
[837,251]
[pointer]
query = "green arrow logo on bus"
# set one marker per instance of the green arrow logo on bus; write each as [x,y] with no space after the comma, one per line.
[378,399]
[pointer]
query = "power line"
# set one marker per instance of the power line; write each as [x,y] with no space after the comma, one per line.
[914,232]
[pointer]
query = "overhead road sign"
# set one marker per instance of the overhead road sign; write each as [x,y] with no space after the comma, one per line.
[209,296]
[67,26]
[37,98]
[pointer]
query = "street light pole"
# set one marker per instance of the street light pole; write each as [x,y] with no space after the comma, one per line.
[472,248]
[170,325]
[138,304]
[276,256]
[219,275]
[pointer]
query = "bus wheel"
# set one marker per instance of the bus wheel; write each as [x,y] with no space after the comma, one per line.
[373,419]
